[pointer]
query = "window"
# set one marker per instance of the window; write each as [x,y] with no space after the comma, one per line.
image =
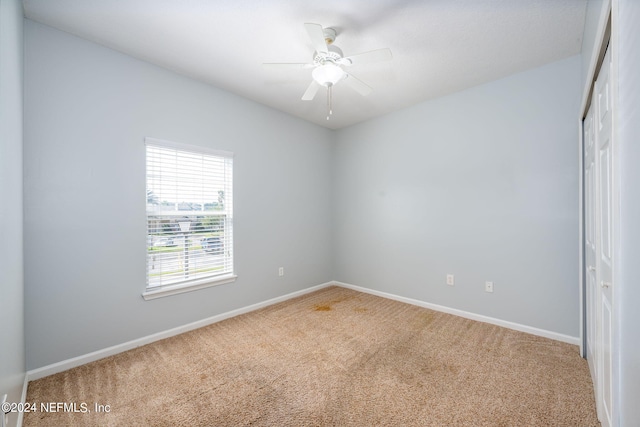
[189,218]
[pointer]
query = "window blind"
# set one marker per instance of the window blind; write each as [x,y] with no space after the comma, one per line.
[189,214]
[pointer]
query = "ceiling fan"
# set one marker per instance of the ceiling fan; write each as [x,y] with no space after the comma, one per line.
[329,64]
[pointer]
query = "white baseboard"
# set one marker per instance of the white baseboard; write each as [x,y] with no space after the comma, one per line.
[506,324]
[64,365]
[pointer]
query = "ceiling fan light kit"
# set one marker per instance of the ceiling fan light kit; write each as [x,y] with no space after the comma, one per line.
[329,62]
[328,74]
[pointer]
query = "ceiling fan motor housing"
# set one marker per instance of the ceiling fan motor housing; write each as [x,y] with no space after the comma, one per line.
[333,54]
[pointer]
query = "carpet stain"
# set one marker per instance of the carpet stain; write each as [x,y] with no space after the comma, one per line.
[425,318]
[468,326]
[328,306]
[453,369]
[360,310]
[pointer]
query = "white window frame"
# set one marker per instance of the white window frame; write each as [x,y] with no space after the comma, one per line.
[177,286]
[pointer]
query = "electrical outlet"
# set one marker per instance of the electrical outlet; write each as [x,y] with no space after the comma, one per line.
[488,286]
[281,271]
[450,279]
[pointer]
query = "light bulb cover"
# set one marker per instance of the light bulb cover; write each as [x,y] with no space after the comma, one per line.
[328,74]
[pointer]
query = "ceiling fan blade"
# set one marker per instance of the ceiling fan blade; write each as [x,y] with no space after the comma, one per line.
[316,35]
[358,85]
[367,57]
[311,91]
[286,65]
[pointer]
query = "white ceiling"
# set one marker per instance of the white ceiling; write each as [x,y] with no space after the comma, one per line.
[438,46]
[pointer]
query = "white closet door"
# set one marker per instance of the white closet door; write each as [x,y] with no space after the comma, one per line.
[598,239]
[604,207]
[590,250]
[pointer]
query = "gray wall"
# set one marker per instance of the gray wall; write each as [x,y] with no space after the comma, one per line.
[12,359]
[87,111]
[627,297]
[482,184]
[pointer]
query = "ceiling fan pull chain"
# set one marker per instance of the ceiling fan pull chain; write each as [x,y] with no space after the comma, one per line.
[329,100]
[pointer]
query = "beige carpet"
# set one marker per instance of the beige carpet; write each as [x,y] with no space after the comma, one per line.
[335,357]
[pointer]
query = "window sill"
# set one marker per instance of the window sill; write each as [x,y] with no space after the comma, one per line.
[165,291]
